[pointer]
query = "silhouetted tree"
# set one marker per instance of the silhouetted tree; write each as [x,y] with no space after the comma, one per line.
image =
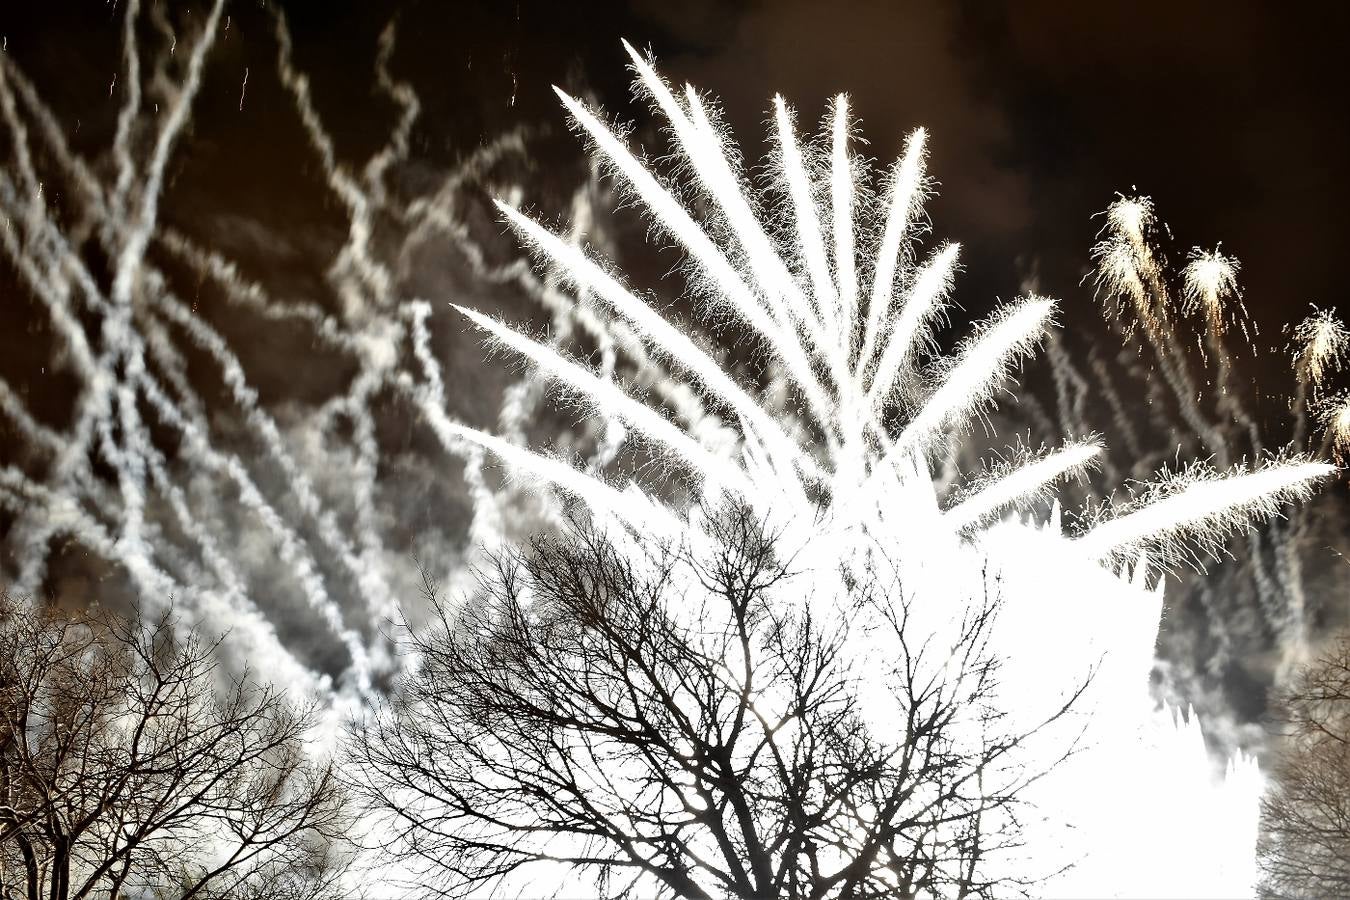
[1305,845]
[130,765]
[677,729]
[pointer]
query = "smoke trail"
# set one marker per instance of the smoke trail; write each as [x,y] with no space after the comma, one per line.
[216,501]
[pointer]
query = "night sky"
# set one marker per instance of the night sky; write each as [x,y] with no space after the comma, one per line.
[1228,115]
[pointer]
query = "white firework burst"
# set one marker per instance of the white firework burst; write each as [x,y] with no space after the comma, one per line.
[813,276]
[843,317]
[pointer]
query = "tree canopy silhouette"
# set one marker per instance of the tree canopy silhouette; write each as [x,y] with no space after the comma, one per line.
[131,765]
[685,736]
[1305,846]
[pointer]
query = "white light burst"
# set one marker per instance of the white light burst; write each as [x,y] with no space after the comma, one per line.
[813,275]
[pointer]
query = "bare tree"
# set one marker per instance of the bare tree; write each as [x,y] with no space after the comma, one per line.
[573,714]
[130,765]
[1305,845]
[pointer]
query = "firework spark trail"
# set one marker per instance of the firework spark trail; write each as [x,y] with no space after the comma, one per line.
[1210,286]
[702,143]
[292,547]
[297,482]
[19,492]
[961,389]
[809,242]
[1127,269]
[126,116]
[362,282]
[371,278]
[485,527]
[66,466]
[979,367]
[130,471]
[641,517]
[1023,480]
[1272,560]
[1210,281]
[396,148]
[365,564]
[1071,389]
[666,341]
[604,395]
[841,224]
[133,251]
[812,317]
[1320,346]
[573,314]
[38,435]
[1203,507]
[52,286]
[1335,417]
[1119,418]
[614,338]
[909,333]
[252,297]
[906,189]
[728,289]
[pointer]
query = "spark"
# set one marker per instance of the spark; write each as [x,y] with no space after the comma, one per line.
[1334,414]
[1131,217]
[1199,505]
[1321,343]
[1011,487]
[1209,279]
[1125,264]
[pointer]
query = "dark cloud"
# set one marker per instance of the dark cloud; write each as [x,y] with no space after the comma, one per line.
[901,64]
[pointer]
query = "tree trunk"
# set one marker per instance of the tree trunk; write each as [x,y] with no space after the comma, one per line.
[30,865]
[60,886]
